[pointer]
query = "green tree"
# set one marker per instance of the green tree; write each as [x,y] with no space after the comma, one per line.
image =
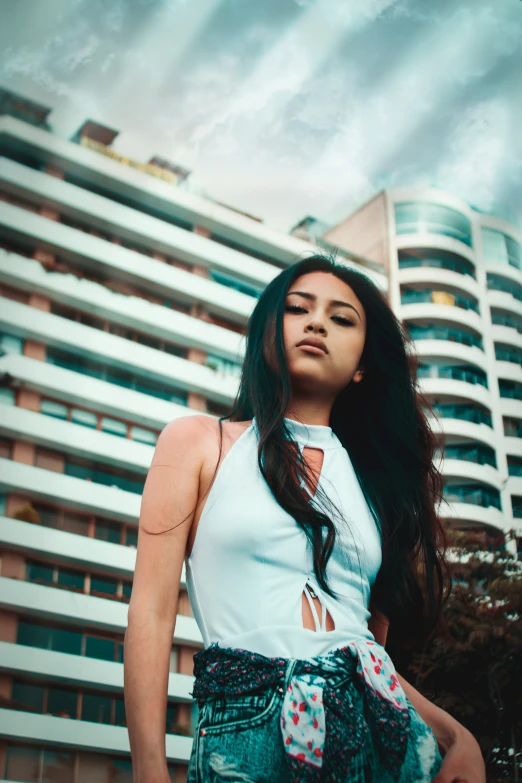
[474,669]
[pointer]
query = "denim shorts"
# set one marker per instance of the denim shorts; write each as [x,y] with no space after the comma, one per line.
[238,738]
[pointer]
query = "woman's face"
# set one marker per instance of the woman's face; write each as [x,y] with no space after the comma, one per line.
[321,306]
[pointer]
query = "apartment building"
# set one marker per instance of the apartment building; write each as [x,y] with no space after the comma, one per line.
[124,300]
[455,281]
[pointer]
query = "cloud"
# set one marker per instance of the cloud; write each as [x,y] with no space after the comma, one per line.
[478,159]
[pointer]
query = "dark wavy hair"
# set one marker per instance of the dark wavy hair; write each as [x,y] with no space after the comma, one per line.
[381,423]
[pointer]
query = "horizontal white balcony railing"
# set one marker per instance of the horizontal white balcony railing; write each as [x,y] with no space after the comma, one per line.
[505,270]
[67,491]
[108,216]
[508,371]
[440,312]
[71,608]
[514,487]
[511,407]
[513,446]
[436,242]
[99,395]
[130,311]
[474,392]
[473,471]
[446,349]
[504,300]
[125,181]
[97,255]
[28,322]
[69,438]
[79,670]
[507,334]
[472,514]
[468,430]
[463,284]
[69,549]
[47,730]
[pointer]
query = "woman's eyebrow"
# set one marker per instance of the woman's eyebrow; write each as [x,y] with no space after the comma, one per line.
[333,302]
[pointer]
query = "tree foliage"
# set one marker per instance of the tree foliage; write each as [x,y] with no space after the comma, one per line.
[473,669]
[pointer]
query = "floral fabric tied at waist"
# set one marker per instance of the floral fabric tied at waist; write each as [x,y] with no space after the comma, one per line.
[321,727]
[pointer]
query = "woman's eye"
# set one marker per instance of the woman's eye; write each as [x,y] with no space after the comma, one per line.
[344,321]
[338,318]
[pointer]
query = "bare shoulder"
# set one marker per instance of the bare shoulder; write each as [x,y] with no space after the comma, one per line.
[184,437]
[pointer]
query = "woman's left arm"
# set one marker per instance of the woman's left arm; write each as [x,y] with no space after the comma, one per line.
[463,762]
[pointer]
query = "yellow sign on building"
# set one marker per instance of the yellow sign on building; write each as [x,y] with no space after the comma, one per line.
[147,168]
[442,297]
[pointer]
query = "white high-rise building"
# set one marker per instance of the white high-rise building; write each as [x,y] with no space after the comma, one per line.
[124,299]
[455,281]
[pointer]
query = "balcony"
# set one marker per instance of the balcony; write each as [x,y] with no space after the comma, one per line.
[433,332]
[466,374]
[417,217]
[157,321]
[87,348]
[75,388]
[439,297]
[464,413]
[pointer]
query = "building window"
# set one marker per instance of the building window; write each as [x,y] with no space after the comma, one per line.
[128,380]
[501,249]
[143,436]
[233,282]
[7,396]
[10,344]
[104,530]
[96,708]
[49,460]
[55,409]
[424,217]
[85,418]
[114,427]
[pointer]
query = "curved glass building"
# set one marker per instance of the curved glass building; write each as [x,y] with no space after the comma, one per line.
[455,280]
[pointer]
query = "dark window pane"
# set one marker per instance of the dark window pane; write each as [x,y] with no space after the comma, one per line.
[131,537]
[96,709]
[58,767]
[104,586]
[27,697]
[39,573]
[22,764]
[74,523]
[127,590]
[122,771]
[67,641]
[61,703]
[119,716]
[99,648]
[69,578]
[108,531]
[114,427]
[34,635]
[171,719]
[55,409]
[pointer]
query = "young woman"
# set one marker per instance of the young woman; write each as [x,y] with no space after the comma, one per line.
[307,522]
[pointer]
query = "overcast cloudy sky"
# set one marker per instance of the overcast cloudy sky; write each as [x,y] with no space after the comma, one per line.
[287,107]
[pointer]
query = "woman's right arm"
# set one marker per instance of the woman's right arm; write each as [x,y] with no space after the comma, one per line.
[169,500]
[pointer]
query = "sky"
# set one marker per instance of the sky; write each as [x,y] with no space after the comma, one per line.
[287,108]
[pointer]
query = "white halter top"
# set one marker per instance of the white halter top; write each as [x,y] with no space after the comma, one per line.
[250,560]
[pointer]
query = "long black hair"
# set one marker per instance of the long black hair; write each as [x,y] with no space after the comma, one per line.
[382,423]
